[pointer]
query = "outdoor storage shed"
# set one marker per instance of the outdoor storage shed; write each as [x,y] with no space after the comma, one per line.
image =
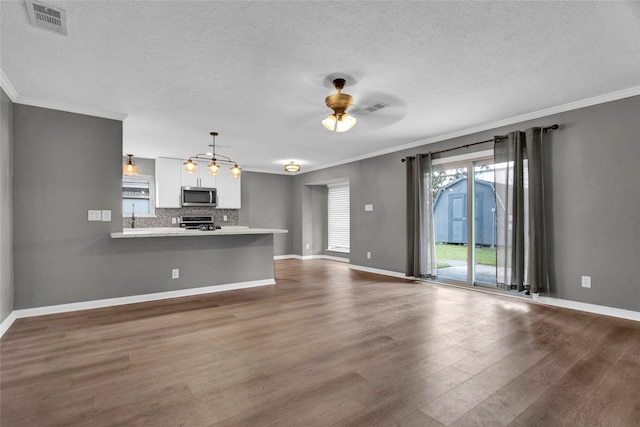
[450,213]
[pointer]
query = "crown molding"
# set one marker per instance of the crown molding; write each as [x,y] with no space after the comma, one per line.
[35,102]
[588,102]
[8,88]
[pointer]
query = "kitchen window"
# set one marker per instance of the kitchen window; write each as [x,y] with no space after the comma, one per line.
[338,222]
[138,196]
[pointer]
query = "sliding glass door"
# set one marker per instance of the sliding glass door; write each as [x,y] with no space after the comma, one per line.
[465,248]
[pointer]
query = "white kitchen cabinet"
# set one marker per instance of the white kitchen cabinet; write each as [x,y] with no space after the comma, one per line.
[228,190]
[200,178]
[171,177]
[168,182]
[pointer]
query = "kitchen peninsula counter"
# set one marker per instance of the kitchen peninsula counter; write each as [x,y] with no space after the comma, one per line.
[186,262]
[129,233]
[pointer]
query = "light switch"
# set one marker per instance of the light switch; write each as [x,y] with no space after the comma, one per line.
[368,208]
[106,215]
[94,215]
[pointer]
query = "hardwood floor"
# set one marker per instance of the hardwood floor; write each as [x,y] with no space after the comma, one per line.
[325,346]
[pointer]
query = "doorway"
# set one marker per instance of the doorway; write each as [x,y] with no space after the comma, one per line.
[465,249]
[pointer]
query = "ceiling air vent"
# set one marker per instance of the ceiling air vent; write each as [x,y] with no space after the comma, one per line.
[47,17]
[375,107]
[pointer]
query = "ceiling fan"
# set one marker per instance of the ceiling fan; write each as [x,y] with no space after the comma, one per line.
[348,109]
[371,109]
[340,120]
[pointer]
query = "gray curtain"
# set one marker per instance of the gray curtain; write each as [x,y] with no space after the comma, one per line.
[520,234]
[421,250]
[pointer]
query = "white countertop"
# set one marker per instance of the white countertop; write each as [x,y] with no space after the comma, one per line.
[129,233]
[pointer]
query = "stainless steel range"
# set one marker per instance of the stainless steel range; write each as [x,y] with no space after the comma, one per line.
[201,222]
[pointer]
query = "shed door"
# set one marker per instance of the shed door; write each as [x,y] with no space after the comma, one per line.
[458,218]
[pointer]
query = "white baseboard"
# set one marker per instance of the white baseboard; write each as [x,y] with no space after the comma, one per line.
[6,323]
[306,257]
[110,302]
[379,271]
[335,258]
[590,308]
[86,305]
[556,302]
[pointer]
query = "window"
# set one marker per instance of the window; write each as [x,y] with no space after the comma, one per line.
[138,194]
[338,222]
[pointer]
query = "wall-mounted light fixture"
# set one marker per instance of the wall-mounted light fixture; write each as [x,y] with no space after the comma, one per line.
[292,167]
[130,167]
[190,166]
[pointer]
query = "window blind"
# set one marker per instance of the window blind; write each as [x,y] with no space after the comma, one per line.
[338,218]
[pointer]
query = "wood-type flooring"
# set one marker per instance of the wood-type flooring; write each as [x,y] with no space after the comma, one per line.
[326,346]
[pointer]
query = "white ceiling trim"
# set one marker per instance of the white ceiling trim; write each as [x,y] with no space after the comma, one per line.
[601,99]
[8,88]
[70,108]
[34,102]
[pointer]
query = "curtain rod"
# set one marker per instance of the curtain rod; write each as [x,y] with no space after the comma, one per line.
[544,129]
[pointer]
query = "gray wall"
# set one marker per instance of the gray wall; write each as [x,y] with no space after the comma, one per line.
[593,200]
[591,213]
[60,257]
[6,206]
[266,203]
[319,241]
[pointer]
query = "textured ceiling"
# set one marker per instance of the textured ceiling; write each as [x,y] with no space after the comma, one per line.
[256,72]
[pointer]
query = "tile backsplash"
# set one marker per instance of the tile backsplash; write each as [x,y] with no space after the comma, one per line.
[164,215]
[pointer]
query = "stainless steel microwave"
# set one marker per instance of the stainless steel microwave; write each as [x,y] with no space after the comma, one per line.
[198,196]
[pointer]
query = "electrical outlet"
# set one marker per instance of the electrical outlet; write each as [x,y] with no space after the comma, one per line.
[175,273]
[106,215]
[308,246]
[368,255]
[174,221]
[368,207]
[224,217]
[94,215]
[586,281]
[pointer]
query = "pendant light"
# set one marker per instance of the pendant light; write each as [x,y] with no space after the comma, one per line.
[191,166]
[235,171]
[339,121]
[130,168]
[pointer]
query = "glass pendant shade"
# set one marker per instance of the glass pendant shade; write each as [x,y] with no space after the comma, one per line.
[190,166]
[345,123]
[214,169]
[330,122]
[342,124]
[130,167]
[235,171]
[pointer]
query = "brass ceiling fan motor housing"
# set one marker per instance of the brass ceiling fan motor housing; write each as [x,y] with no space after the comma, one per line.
[339,102]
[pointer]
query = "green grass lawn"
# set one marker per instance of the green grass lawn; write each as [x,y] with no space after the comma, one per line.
[484,256]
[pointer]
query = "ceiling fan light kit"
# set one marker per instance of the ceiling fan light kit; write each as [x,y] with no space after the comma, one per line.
[339,121]
[190,166]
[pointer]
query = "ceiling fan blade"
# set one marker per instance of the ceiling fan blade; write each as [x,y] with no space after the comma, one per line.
[376,109]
